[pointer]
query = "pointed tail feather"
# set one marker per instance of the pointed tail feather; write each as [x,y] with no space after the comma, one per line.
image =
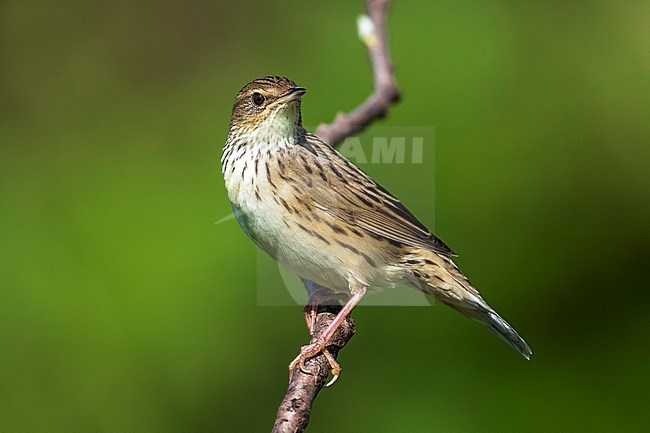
[495,323]
[437,275]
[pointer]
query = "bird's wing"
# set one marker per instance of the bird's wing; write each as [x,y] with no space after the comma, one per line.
[345,192]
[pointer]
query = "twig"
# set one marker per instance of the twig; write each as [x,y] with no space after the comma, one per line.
[293,413]
[385,90]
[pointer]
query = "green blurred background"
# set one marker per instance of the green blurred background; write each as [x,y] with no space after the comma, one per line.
[124,308]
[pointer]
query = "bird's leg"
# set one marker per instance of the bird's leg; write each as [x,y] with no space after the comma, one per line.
[322,296]
[311,311]
[319,343]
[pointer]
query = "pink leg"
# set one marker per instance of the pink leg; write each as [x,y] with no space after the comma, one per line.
[318,344]
[316,299]
[311,311]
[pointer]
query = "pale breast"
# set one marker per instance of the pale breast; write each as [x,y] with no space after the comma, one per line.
[272,206]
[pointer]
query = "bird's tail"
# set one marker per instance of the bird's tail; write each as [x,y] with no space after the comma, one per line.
[495,323]
[438,276]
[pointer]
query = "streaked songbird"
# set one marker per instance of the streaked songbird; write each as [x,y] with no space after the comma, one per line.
[327,221]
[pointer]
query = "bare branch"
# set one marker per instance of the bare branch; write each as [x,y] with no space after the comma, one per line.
[385,90]
[293,413]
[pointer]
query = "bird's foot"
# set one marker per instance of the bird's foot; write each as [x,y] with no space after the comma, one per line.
[309,351]
[319,344]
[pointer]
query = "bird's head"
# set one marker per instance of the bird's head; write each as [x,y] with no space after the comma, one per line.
[268,106]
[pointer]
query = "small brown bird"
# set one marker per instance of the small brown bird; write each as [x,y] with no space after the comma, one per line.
[327,221]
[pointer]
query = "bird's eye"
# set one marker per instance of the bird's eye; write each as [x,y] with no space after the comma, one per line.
[258,98]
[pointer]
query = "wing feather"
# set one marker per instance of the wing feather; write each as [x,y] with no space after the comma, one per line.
[352,197]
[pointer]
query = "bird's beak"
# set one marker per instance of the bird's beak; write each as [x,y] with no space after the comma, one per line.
[293,94]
